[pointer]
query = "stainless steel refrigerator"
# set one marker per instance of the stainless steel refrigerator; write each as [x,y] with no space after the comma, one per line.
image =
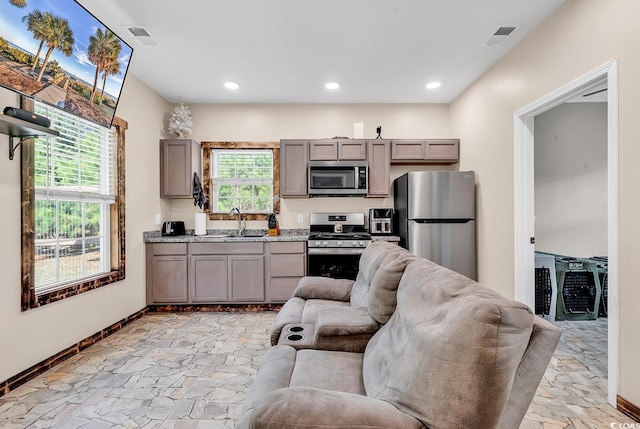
[435,217]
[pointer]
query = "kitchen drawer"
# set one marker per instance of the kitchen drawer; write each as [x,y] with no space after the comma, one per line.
[169,249]
[287,247]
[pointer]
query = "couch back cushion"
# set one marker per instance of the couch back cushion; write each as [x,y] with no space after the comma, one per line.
[383,288]
[369,263]
[449,353]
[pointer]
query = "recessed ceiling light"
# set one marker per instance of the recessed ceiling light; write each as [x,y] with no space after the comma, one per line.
[433,85]
[231,85]
[332,85]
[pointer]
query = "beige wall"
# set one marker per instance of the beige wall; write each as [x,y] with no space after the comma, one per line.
[581,36]
[264,122]
[571,180]
[27,338]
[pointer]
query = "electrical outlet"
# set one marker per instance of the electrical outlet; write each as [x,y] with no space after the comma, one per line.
[300,218]
[157,219]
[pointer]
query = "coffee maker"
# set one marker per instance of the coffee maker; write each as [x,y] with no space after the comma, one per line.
[381,221]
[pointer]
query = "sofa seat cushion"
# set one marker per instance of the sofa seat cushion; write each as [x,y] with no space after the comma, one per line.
[312,408]
[450,345]
[341,371]
[316,389]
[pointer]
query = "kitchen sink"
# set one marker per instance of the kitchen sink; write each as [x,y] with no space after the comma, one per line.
[235,235]
[257,234]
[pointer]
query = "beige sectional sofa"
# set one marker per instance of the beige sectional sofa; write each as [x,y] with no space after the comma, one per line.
[453,354]
[343,314]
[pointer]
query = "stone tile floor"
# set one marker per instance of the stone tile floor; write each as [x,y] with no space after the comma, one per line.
[191,370]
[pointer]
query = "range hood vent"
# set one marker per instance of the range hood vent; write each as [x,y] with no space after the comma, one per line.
[500,36]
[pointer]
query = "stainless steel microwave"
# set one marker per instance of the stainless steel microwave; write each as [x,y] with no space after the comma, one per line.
[337,178]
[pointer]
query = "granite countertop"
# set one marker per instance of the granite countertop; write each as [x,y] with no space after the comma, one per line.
[227,236]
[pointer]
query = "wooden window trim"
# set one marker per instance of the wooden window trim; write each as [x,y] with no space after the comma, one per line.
[29,297]
[206,175]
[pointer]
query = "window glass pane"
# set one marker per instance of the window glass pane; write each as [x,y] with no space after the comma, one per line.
[243,179]
[75,186]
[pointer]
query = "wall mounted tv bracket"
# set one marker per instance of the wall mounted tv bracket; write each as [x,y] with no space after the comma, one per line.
[15,127]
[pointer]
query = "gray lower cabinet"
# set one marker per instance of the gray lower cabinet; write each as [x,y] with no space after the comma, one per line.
[208,279]
[286,261]
[226,272]
[219,273]
[167,273]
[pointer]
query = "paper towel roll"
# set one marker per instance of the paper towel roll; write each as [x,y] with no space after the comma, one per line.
[201,224]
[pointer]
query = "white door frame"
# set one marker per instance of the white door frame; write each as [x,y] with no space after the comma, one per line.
[523,171]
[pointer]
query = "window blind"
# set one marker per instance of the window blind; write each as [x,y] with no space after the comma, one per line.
[244,179]
[78,165]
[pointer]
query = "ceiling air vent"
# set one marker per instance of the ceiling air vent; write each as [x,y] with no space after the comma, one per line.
[143,37]
[500,36]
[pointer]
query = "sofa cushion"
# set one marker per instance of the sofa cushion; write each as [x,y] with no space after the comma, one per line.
[312,408]
[329,370]
[370,261]
[312,287]
[381,301]
[345,321]
[450,345]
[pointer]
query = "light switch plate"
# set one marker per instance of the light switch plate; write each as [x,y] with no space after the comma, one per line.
[300,218]
[158,219]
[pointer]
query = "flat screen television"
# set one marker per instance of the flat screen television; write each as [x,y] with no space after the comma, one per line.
[57,52]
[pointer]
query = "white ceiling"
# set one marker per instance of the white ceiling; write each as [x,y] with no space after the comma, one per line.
[284,51]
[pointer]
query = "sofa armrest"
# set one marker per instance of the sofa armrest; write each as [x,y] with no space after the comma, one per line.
[291,312]
[311,287]
[310,407]
[350,321]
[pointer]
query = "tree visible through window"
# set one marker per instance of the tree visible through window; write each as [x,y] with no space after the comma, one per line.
[243,179]
[73,212]
[74,188]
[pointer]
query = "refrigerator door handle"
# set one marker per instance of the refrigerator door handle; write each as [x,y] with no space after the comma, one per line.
[441,220]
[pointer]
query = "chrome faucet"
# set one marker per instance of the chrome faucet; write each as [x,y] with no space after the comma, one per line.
[241,224]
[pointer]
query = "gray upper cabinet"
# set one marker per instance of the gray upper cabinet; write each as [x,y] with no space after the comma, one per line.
[294,156]
[338,150]
[429,151]
[323,150]
[379,168]
[355,150]
[179,159]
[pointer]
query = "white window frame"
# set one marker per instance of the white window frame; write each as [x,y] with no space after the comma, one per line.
[103,194]
[217,181]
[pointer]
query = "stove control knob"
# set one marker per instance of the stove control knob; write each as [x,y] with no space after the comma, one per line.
[318,243]
[339,243]
[354,243]
[325,243]
[361,243]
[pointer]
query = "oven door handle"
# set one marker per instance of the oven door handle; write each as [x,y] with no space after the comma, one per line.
[334,251]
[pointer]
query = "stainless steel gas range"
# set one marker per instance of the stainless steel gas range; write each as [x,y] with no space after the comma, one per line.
[336,241]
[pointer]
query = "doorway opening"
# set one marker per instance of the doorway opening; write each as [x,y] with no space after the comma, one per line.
[524,218]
